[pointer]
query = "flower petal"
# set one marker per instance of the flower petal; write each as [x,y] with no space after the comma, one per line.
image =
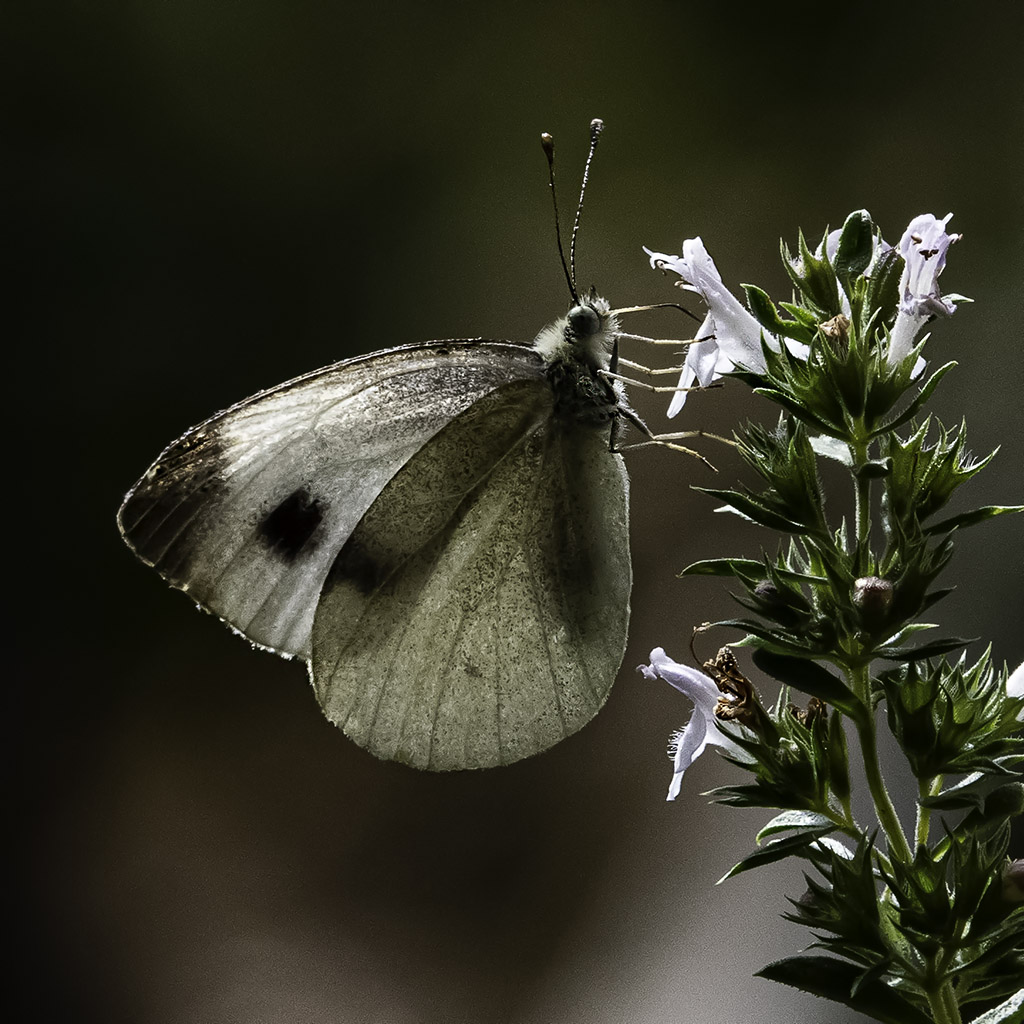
[702,729]
[730,335]
[1015,682]
[685,747]
[923,247]
[704,362]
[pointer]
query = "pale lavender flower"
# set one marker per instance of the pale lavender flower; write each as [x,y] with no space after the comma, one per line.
[688,744]
[1015,687]
[1015,682]
[729,337]
[923,247]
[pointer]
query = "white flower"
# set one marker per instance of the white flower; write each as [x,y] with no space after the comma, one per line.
[923,247]
[731,336]
[688,744]
[1015,682]
[1015,687]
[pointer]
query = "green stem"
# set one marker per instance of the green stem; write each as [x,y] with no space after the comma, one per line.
[924,814]
[884,809]
[943,1004]
[850,828]
[862,495]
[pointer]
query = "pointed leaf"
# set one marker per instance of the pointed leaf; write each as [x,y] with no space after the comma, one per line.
[741,796]
[977,515]
[792,406]
[724,567]
[795,821]
[929,650]
[809,677]
[765,313]
[971,791]
[922,396]
[767,638]
[1004,1013]
[871,975]
[750,508]
[914,627]
[875,469]
[856,245]
[832,448]
[835,979]
[778,849]
[883,288]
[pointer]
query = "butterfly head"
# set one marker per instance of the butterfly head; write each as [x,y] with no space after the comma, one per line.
[586,334]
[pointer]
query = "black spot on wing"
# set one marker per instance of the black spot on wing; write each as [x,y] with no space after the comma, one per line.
[288,528]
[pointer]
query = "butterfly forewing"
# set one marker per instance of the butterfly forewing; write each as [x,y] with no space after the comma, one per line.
[477,614]
[247,511]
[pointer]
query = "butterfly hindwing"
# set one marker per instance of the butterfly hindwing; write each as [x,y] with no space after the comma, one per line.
[477,614]
[247,511]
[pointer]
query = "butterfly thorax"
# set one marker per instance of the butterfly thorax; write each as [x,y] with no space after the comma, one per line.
[578,349]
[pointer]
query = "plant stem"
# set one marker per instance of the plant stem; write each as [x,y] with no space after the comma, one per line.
[862,494]
[884,809]
[924,814]
[943,1004]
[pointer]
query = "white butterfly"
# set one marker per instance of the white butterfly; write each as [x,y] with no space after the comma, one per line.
[439,530]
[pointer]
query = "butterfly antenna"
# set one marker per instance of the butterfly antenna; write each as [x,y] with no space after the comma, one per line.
[596,127]
[548,144]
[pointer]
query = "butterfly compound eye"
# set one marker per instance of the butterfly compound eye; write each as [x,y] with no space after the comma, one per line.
[584,321]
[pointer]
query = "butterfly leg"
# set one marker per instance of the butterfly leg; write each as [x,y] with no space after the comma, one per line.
[633,382]
[624,412]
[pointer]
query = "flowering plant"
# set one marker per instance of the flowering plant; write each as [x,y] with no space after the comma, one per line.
[908,929]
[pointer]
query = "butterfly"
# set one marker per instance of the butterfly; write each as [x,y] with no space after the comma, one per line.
[439,530]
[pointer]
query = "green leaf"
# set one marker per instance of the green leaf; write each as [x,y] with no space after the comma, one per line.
[724,567]
[871,975]
[795,821]
[834,979]
[802,316]
[913,627]
[750,508]
[922,396]
[929,650]
[978,515]
[778,849]
[741,796]
[964,795]
[809,677]
[838,758]
[832,448]
[765,313]
[883,285]
[874,470]
[801,577]
[1004,1013]
[970,792]
[791,405]
[856,244]
[767,638]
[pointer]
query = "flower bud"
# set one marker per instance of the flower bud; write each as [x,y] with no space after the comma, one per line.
[781,604]
[1013,881]
[873,597]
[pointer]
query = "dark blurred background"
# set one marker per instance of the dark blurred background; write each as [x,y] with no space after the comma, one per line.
[205,199]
